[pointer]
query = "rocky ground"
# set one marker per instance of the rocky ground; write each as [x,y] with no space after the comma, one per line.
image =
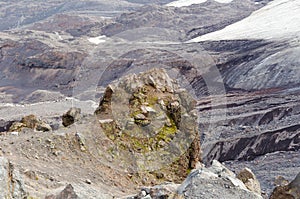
[55,55]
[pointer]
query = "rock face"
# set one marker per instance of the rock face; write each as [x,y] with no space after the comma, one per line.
[249,179]
[149,116]
[11,184]
[71,116]
[290,191]
[206,183]
[32,122]
[68,193]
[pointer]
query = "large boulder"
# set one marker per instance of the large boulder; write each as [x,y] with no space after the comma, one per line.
[11,183]
[250,180]
[67,193]
[71,116]
[290,191]
[153,125]
[206,183]
[32,122]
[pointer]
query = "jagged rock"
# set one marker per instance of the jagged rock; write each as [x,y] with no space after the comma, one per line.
[221,170]
[216,181]
[16,126]
[71,116]
[81,141]
[105,104]
[67,193]
[290,191]
[207,183]
[280,181]
[249,179]
[11,183]
[166,190]
[32,122]
[43,127]
[147,113]
[4,125]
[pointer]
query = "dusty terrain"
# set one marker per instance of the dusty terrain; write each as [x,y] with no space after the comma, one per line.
[53,56]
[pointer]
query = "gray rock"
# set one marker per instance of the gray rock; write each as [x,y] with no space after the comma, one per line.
[42,126]
[11,183]
[220,169]
[67,193]
[207,183]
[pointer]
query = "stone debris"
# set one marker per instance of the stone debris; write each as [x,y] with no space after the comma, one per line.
[144,113]
[290,191]
[67,193]
[249,179]
[71,116]
[32,122]
[206,183]
[11,182]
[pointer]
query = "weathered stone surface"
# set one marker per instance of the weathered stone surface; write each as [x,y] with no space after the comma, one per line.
[280,181]
[42,126]
[290,191]
[206,183]
[11,183]
[67,193]
[32,122]
[156,121]
[221,170]
[249,179]
[71,116]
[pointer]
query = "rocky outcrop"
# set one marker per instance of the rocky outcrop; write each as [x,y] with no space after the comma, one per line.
[206,183]
[290,191]
[71,116]
[32,122]
[11,183]
[68,192]
[249,179]
[4,125]
[150,116]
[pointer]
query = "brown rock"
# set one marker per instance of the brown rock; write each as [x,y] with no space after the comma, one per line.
[71,116]
[280,181]
[32,122]
[290,191]
[151,120]
[105,102]
[249,179]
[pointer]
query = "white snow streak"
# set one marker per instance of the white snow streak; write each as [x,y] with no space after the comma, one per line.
[280,19]
[97,40]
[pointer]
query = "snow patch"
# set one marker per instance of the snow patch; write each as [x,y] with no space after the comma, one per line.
[181,3]
[58,35]
[97,40]
[280,19]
